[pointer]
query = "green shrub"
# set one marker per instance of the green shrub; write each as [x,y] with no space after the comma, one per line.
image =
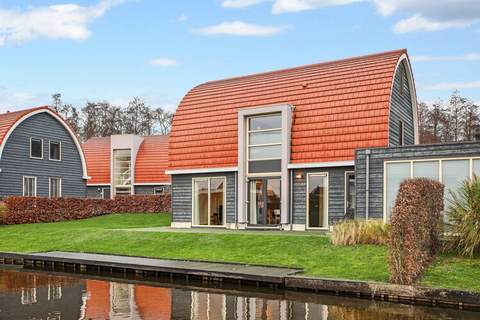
[3,212]
[355,232]
[463,223]
[414,229]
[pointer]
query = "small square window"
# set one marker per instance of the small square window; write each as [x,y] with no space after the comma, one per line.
[36,148]
[158,190]
[55,150]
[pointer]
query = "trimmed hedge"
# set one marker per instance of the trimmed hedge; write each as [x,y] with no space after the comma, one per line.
[415,229]
[22,210]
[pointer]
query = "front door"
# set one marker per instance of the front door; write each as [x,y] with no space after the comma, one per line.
[264,201]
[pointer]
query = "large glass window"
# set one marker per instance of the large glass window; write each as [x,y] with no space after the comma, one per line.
[396,173]
[264,147]
[264,200]
[30,186]
[209,201]
[317,202]
[55,185]
[55,150]
[122,168]
[454,172]
[426,169]
[36,148]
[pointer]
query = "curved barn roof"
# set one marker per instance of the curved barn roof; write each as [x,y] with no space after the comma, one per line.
[339,106]
[10,120]
[150,165]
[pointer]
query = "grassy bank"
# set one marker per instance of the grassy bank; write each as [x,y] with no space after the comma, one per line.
[314,253]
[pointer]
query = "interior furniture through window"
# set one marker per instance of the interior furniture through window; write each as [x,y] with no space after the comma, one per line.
[209,201]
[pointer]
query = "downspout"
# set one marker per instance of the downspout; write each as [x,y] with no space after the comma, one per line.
[236,199]
[367,183]
[291,200]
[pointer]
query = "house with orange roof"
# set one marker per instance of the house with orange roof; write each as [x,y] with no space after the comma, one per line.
[278,149]
[40,155]
[127,164]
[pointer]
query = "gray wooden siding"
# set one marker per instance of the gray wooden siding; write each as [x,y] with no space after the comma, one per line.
[401,110]
[144,190]
[336,194]
[16,161]
[380,155]
[182,196]
[96,191]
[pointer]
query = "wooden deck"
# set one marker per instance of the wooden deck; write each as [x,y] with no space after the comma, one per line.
[205,270]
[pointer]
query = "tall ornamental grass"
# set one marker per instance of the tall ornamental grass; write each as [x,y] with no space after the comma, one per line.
[356,232]
[463,219]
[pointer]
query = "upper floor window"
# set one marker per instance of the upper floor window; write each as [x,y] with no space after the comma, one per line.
[400,133]
[55,150]
[264,146]
[36,148]
[122,169]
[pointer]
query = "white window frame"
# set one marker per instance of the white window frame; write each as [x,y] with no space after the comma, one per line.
[307,222]
[23,185]
[347,173]
[50,186]
[41,140]
[60,149]
[411,161]
[209,193]
[248,145]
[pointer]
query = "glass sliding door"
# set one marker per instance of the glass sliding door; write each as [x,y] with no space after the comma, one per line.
[264,201]
[317,201]
[209,201]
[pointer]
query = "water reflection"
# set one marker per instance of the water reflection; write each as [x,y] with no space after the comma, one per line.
[32,295]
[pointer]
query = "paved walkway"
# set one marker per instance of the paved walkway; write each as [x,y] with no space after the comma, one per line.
[226,231]
[197,268]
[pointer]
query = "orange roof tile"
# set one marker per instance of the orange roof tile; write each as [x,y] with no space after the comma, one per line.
[8,120]
[152,160]
[339,106]
[97,155]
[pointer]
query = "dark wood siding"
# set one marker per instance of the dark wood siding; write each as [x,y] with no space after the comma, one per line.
[144,190]
[182,196]
[380,155]
[16,161]
[401,109]
[336,194]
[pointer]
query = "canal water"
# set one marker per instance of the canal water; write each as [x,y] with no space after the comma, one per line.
[43,295]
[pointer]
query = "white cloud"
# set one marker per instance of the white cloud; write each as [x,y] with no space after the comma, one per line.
[240,3]
[62,21]
[240,28]
[455,85]
[284,6]
[163,62]
[182,18]
[421,15]
[465,57]
[11,100]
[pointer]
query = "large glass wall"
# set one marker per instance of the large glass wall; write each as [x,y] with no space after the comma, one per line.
[264,201]
[264,147]
[209,201]
[122,171]
[317,202]
[451,172]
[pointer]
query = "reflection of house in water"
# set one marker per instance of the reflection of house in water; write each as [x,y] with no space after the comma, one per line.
[111,300]
[32,296]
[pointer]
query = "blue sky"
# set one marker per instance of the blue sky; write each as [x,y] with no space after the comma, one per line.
[158,50]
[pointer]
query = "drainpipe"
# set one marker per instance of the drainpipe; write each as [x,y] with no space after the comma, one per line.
[367,183]
[236,200]
[291,200]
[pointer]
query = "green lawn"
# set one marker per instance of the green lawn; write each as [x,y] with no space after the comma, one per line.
[314,253]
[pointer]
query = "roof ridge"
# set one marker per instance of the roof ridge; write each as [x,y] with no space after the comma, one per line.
[27,110]
[404,50]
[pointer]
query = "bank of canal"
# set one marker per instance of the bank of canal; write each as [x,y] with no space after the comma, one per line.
[35,294]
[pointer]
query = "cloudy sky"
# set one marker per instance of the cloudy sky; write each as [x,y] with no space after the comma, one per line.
[117,49]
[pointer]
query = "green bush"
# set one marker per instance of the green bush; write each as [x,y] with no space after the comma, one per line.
[463,222]
[355,232]
[3,211]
